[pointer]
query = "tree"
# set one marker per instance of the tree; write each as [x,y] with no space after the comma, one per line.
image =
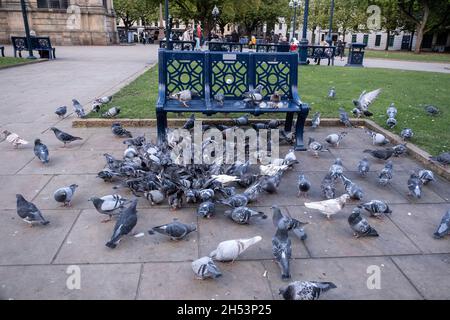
[127,11]
[350,15]
[391,18]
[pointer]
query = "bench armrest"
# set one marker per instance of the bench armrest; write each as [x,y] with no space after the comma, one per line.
[161,96]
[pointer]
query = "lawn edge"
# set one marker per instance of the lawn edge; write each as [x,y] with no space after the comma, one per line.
[23,64]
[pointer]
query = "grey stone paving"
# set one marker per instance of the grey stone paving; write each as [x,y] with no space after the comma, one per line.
[34,261]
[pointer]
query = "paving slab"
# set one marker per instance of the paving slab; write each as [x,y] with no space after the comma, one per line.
[350,277]
[334,238]
[14,160]
[428,273]
[29,186]
[86,241]
[110,281]
[23,244]
[241,280]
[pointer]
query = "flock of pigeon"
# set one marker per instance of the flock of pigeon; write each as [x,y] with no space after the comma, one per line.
[148,171]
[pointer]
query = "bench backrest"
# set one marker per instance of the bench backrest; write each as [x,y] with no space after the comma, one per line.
[179,45]
[321,51]
[20,43]
[225,46]
[231,74]
[272,47]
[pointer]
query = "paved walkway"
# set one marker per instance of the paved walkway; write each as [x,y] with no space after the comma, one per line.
[34,261]
[401,65]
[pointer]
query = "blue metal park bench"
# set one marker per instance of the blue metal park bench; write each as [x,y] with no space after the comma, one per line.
[322,52]
[230,74]
[179,45]
[40,44]
[272,47]
[225,46]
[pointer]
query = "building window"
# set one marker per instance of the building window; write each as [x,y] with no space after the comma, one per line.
[280,26]
[105,4]
[391,40]
[354,38]
[53,4]
[228,28]
[366,39]
[378,40]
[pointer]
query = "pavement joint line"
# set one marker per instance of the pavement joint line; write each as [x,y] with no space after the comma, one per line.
[407,278]
[43,187]
[141,271]
[66,236]
[26,164]
[268,282]
[405,234]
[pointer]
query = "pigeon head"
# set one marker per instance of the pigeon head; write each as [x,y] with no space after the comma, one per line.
[116,124]
[356,103]
[37,141]
[73,186]
[344,198]
[54,129]
[355,216]
[19,197]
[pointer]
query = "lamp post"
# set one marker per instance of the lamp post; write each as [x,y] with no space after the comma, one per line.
[294,4]
[27,30]
[215,14]
[330,37]
[303,48]
[168,27]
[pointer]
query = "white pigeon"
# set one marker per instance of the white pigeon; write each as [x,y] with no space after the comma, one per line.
[290,157]
[13,138]
[364,101]
[229,250]
[329,207]
[377,138]
[272,169]
[225,179]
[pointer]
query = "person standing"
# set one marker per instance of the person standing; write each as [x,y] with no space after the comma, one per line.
[235,36]
[199,37]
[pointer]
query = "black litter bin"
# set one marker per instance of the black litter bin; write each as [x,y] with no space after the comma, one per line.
[356,55]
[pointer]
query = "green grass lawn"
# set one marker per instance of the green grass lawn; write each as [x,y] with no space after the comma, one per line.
[9,61]
[408,56]
[409,90]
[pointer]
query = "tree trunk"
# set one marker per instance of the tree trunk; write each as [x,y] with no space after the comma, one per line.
[388,38]
[421,28]
[344,34]
[411,40]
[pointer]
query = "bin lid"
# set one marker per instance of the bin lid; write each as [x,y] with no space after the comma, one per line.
[358,45]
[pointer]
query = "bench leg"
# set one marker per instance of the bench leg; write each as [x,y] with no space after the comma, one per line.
[54,56]
[3,52]
[299,128]
[288,123]
[161,124]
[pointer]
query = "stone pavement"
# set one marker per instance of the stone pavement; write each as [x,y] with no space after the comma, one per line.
[34,261]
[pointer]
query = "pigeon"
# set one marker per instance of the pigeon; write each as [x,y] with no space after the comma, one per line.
[334,139]
[391,122]
[29,212]
[205,268]
[281,249]
[303,185]
[231,249]
[65,194]
[305,290]
[270,183]
[443,158]
[415,185]
[329,207]
[61,111]
[274,124]
[336,170]
[137,142]
[399,149]
[96,106]
[79,110]
[241,121]
[332,93]
[175,200]
[206,209]
[253,97]
[352,188]
[154,196]
[344,118]
[109,204]
[119,131]
[363,166]
[444,227]
[13,138]
[130,152]
[360,225]
[41,151]
[184,96]
[391,111]
[376,208]
[272,169]
[284,220]
[377,138]
[63,136]
[242,215]
[364,101]
[111,112]
[238,200]
[219,98]
[224,179]
[426,176]
[406,134]
[315,122]
[104,100]
[385,175]
[316,147]
[260,126]
[383,154]
[175,230]
[432,110]
[125,223]
[328,187]
[206,194]
[189,122]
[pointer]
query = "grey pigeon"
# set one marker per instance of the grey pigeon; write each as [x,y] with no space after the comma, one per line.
[61,111]
[274,124]
[119,131]
[63,136]
[363,166]
[336,170]
[270,183]
[79,110]
[315,120]
[376,208]
[253,97]
[29,212]
[104,100]
[305,290]
[238,200]
[386,174]
[328,187]
[352,188]
[175,200]
[243,215]
[260,126]
[377,138]
[316,147]
[205,268]
[219,98]
[175,230]
[206,209]
[391,111]
[332,93]
[281,249]
[344,118]
[206,194]
[154,196]
[360,225]
[335,139]
[65,194]
[432,110]
[426,176]
[399,149]
[391,122]
[415,185]
[41,151]
[108,205]
[382,154]
[303,185]
[125,223]
[241,121]
[444,227]
[443,158]
[407,134]
[111,112]
[284,220]
[189,122]
[364,101]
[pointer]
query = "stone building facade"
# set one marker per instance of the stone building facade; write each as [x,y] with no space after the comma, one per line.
[66,22]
